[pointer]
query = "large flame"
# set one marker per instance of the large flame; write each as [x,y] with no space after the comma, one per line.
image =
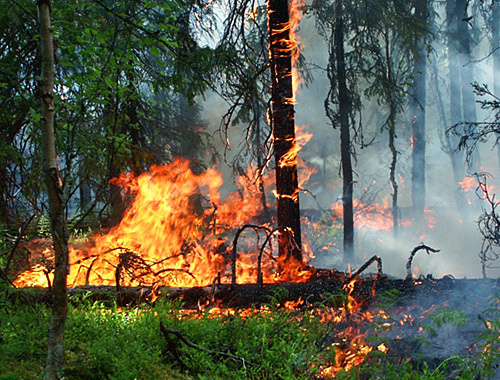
[176,232]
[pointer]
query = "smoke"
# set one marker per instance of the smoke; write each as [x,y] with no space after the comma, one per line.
[454,231]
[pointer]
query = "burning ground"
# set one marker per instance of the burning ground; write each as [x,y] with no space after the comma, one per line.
[178,240]
[332,327]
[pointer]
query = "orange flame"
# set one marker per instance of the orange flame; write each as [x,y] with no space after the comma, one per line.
[467,184]
[291,46]
[295,10]
[301,139]
[175,233]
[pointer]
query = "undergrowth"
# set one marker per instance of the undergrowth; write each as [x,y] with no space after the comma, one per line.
[109,342]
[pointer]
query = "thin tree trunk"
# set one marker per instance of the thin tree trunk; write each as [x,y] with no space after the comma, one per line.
[259,153]
[55,354]
[283,124]
[418,112]
[495,47]
[465,59]
[134,126]
[391,124]
[392,178]
[456,116]
[345,138]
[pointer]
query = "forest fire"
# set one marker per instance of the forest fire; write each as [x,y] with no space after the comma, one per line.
[378,216]
[245,284]
[175,233]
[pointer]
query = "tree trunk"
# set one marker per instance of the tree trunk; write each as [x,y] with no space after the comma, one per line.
[283,125]
[495,48]
[134,126]
[345,138]
[84,188]
[55,355]
[260,154]
[418,112]
[391,127]
[392,178]
[456,115]
[465,59]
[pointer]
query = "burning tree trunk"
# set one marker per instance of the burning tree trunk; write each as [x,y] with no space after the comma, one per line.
[55,355]
[283,125]
[345,139]
[418,112]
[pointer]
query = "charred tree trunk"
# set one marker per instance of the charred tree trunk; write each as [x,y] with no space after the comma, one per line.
[260,154]
[115,163]
[345,138]
[392,178]
[283,125]
[418,113]
[456,115]
[391,127]
[464,55]
[55,355]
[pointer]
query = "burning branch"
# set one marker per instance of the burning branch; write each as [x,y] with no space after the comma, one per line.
[259,260]
[363,267]
[413,253]
[235,242]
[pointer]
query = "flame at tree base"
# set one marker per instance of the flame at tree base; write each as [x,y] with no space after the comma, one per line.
[175,233]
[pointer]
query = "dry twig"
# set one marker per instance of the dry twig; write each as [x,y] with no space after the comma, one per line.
[363,267]
[413,253]
[173,348]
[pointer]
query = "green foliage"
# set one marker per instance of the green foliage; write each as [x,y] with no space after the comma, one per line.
[434,322]
[121,68]
[490,345]
[43,226]
[108,342]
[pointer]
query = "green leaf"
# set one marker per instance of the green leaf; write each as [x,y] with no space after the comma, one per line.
[154,50]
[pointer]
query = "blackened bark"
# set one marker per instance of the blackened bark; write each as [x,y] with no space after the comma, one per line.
[391,126]
[394,183]
[283,124]
[55,354]
[345,139]
[418,112]
[116,201]
[260,154]
[465,59]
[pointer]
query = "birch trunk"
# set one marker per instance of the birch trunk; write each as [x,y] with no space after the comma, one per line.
[55,354]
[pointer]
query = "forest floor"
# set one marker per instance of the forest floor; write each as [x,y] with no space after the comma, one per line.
[441,329]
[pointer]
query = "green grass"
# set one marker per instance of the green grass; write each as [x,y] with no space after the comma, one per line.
[106,342]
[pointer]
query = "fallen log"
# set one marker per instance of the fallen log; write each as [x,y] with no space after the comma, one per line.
[256,295]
